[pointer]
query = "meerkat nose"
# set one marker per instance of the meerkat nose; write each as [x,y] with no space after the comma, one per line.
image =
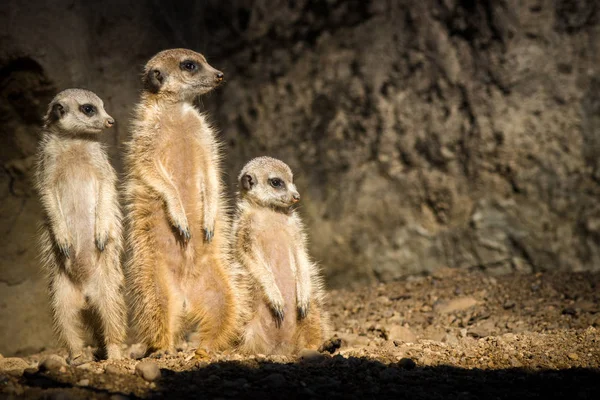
[296,197]
[109,122]
[220,76]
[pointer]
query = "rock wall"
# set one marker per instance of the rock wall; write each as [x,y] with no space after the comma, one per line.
[422,134]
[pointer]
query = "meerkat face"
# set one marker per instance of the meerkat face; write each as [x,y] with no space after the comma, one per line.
[180,73]
[78,111]
[269,183]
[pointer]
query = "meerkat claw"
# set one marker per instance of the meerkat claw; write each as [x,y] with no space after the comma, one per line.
[208,235]
[184,233]
[302,312]
[65,250]
[101,244]
[279,316]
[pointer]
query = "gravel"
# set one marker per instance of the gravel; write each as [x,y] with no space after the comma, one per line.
[389,341]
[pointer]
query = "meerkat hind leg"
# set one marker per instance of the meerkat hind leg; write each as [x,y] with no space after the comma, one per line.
[310,330]
[212,309]
[152,315]
[109,307]
[68,303]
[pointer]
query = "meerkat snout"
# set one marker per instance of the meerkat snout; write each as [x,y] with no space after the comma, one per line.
[109,122]
[296,197]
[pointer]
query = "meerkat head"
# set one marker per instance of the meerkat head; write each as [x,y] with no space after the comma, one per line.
[181,74]
[268,182]
[78,111]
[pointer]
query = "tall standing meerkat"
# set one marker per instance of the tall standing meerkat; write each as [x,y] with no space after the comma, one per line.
[177,274]
[285,312]
[81,239]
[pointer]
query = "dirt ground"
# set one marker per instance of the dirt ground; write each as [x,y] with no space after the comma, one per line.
[454,334]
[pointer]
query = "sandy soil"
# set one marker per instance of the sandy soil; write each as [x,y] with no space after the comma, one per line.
[450,335]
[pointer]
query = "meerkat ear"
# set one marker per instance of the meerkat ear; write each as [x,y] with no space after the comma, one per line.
[154,80]
[57,112]
[248,181]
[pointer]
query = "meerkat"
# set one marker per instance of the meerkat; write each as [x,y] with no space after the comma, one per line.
[285,311]
[81,238]
[177,275]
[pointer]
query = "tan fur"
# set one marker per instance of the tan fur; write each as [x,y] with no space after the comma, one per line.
[176,276]
[270,246]
[81,239]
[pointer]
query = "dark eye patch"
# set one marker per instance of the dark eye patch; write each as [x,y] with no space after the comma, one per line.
[277,183]
[189,65]
[88,109]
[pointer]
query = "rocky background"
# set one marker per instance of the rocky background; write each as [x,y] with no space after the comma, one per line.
[440,133]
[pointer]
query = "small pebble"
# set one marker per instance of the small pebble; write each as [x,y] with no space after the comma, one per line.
[508,304]
[147,370]
[53,363]
[83,382]
[573,356]
[331,345]
[407,363]
[112,369]
[13,366]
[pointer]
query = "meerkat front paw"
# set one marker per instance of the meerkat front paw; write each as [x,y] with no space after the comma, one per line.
[184,233]
[277,306]
[101,240]
[208,235]
[303,310]
[180,223]
[64,245]
[278,314]
[209,229]
[302,299]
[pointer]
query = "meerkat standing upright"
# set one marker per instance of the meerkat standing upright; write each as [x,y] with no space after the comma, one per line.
[177,271]
[286,303]
[81,239]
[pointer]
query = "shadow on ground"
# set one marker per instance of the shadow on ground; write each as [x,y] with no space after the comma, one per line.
[339,378]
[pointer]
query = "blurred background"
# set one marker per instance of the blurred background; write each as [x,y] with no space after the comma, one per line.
[423,135]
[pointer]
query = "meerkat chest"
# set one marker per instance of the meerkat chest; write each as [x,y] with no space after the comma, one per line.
[276,237]
[77,164]
[181,145]
[77,179]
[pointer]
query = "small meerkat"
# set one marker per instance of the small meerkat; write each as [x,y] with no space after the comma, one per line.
[285,312]
[81,240]
[178,275]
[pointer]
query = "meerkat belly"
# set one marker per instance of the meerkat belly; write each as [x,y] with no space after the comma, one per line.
[78,193]
[184,166]
[182,160]
[280,259]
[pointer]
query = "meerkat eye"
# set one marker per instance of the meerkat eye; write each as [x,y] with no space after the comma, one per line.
[88,109]
[189,65]
[276,183]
